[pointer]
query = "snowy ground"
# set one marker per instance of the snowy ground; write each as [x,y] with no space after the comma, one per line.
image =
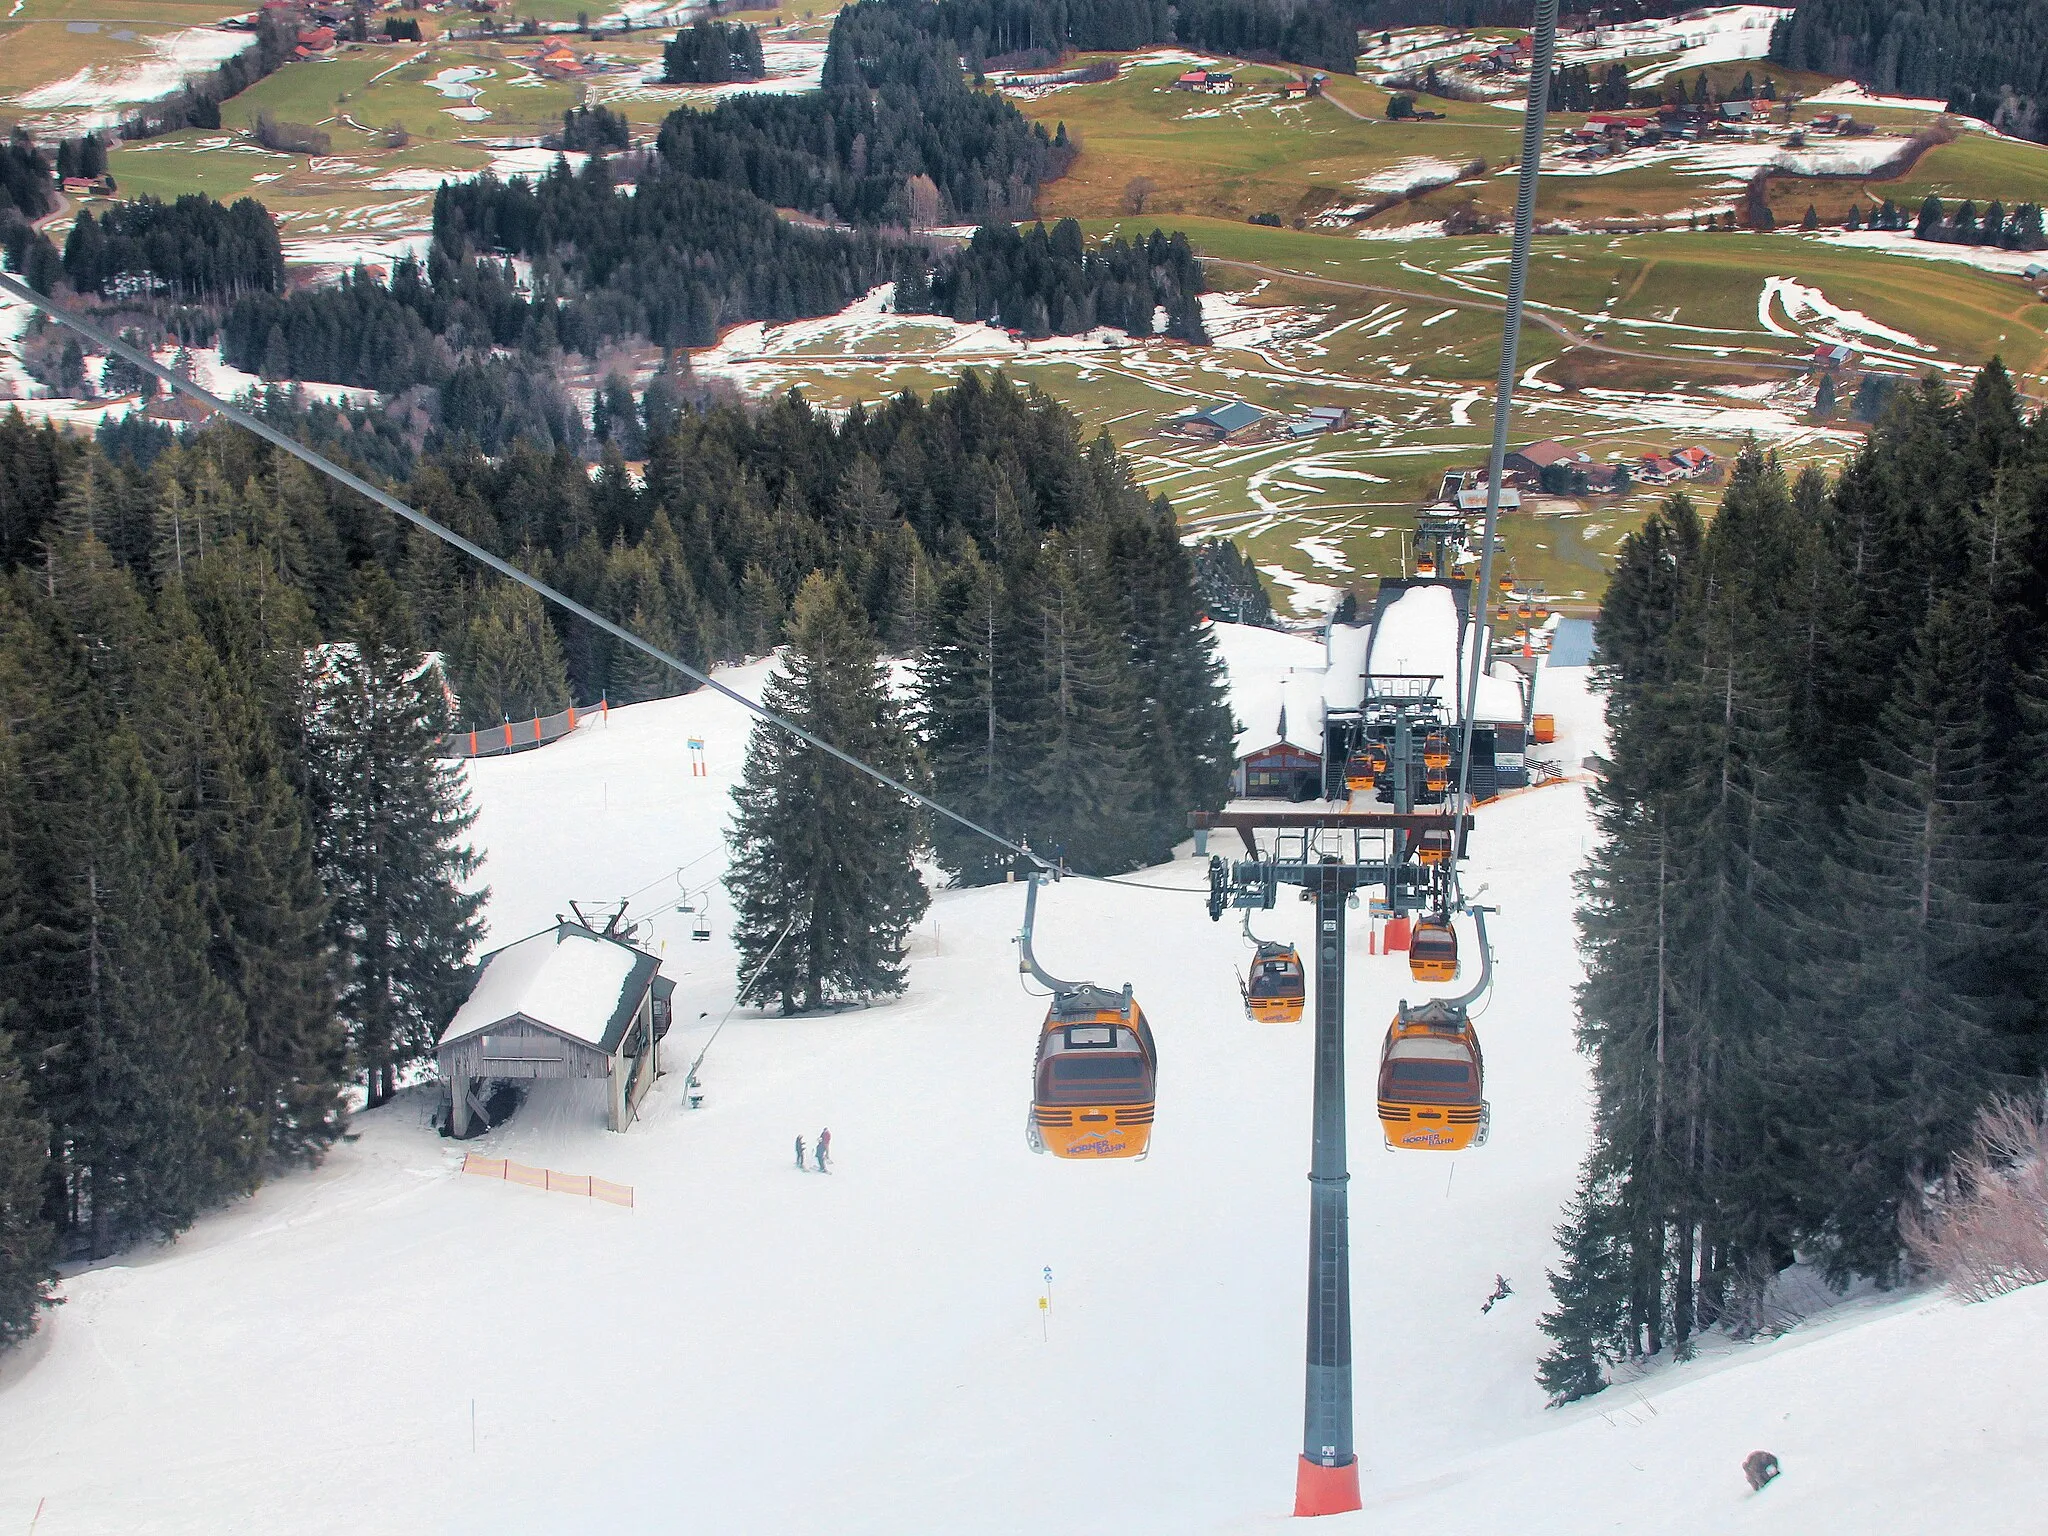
[755,1350]
[94,96]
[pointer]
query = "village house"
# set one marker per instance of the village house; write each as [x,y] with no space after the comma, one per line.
[1694,461]
[1827,357]
[1213,81]
[558,61]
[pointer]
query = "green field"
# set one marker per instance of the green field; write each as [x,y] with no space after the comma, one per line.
[1245,153]
[1637,342]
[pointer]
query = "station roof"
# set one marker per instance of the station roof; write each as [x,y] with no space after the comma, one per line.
[566,979]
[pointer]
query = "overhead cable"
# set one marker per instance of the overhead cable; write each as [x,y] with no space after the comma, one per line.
[503,567]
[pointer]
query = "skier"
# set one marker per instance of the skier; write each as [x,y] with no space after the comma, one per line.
[799,1154]
[824,1150]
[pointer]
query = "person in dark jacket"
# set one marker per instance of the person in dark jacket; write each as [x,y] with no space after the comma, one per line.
[799,1154]
[824,1150]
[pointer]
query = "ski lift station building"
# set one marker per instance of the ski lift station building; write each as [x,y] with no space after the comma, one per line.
[1294,740]
[566,1002]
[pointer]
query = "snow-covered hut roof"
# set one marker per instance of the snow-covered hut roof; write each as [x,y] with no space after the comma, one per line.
[565,979]
[1287,707]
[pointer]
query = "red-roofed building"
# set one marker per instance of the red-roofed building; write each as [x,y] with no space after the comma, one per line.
[316,39]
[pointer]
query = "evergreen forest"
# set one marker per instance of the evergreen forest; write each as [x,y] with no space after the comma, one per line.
[1051,284]
[711,53]
[1812,933]
[1988,58]
[235,871]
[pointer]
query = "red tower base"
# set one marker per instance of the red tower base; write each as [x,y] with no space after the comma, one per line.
[1325,1490]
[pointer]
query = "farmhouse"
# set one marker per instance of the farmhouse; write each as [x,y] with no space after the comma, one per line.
[559,61]
[1231,422]
[1837,356]
[566,1002]
[1537,457]
[1694,461]
[1213,81]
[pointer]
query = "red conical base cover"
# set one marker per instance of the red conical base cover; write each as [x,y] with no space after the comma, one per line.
[1325,1490]
[1397,935]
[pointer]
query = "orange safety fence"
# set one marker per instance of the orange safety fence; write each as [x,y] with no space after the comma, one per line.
[512,735]
[585,1184]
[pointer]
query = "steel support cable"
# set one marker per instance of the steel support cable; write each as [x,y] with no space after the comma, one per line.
[503,567]
[1504,390]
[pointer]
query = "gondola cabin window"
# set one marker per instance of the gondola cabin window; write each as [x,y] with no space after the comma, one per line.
[1429,1070]
[1093,1064]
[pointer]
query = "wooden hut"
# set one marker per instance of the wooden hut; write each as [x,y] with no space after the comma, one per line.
[567,1002]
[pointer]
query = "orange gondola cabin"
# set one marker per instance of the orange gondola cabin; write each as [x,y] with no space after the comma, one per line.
[1278,988]
[1096,1077]
[1433,950]
[1432,1081]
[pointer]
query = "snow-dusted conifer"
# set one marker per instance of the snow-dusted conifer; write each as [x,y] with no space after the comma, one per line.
[392,819]
[822,855]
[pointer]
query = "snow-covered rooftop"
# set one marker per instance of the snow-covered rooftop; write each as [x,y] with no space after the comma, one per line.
[565,978]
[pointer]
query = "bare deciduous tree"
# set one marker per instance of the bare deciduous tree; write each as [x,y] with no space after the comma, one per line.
[1138,192]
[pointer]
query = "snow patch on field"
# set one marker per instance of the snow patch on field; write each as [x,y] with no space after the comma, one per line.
[1849,94]
[1410,175]
[790,69]
[1715,36]
[1985,258]
[171,58]
[1798,300]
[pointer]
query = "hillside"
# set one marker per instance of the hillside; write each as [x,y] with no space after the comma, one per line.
[754,1350]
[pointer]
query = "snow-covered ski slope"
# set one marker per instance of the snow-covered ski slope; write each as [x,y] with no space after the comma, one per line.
[754,1350]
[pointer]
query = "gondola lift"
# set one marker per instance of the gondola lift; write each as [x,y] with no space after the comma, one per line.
[1432,1077]
[1433,949]
[1278,988]
[1094,1081]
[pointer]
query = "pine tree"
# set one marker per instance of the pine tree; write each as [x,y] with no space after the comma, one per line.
[822,876]
[762,612]
[391,817]
[1589,1327]
[1084,784]
[971,704]
[247,837]
[28,1244]
[510,664]
[1924,861]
